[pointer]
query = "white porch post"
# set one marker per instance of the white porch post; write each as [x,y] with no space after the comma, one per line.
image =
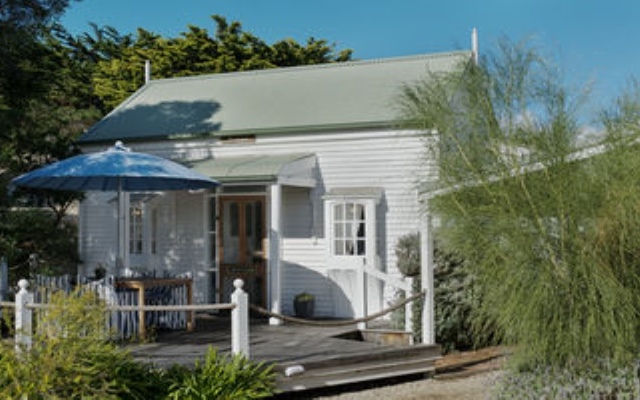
[122,252]
[361,287]
[275,251]
[240,320]
[426,252]
[24,316]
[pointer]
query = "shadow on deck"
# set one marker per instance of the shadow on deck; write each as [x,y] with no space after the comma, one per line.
[305,357]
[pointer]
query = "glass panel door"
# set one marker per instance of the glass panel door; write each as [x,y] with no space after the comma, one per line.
[242,227]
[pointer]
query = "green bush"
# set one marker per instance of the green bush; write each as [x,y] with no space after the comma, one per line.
[223,378]
[409,265]
[408,253]
[24,233]
[459,326]
[455,297]
[71,358]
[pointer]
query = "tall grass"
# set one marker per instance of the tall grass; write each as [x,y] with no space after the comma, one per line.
[547,218]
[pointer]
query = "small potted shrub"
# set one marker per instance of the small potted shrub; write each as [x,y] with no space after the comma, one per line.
[303,305]
[408,252]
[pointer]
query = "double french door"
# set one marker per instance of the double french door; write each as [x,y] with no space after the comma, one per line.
[241,246]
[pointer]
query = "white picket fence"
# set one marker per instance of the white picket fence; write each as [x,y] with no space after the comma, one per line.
[125,323]
[127,313]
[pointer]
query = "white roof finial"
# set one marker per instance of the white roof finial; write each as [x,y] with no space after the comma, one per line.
[147,71]
[474,45]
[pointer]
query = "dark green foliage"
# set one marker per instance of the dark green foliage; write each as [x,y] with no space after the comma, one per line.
[455,297]
[455,300]
[33,241]
[225,378]
[408,253]
[197,52]
[37,107]
[409,264]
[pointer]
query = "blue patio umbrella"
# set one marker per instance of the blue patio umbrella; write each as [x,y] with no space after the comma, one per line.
[118,170]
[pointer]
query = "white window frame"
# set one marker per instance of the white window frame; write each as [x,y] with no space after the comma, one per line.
[136,228]
[357,200]
[143,225]
[348,230]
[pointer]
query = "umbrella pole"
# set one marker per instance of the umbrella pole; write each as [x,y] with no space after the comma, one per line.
[121,245]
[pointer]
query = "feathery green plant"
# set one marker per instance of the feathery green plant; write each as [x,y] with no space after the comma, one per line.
[548,222]
[223,378]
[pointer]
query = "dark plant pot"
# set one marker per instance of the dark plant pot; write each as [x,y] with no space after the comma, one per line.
[304,308]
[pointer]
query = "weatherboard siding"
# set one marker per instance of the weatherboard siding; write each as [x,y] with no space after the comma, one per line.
[97,243]
[390,160]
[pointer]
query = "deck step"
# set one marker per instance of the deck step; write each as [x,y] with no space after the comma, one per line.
[385,364]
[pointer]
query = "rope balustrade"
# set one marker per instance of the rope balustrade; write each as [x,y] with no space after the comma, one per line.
[239,305]
[317,323]
[192,307]
[258,309]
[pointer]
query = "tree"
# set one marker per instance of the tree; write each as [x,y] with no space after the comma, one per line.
[33,108]
[195,52]
[547,221]
[22,23]
[40,117]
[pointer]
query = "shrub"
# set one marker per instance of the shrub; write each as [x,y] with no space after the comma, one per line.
[454,302]
[225,378]
[25,233]
[408,253]
[455,296]
[409,265]
[70,358]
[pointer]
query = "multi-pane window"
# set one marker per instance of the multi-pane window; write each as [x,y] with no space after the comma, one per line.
[143,228]
[349,228]
[154,231]
[212,227]
[136,229]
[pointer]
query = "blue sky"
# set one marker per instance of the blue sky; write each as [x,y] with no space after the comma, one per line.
[592,40]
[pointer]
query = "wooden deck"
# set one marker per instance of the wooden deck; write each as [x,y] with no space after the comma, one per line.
[305,357]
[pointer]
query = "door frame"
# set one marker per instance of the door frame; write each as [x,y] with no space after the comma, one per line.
[242,199]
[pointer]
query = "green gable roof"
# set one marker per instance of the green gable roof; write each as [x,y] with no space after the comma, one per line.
[308,98]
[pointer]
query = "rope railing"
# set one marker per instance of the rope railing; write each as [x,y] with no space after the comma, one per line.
[261,310]
[317,323]
[25,309]
[186,307]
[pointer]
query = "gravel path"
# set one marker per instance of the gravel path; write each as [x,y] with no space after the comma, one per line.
[469,380]
[477,386]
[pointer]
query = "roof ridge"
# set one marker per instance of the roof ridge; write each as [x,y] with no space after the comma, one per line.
[311,67]
[347,95]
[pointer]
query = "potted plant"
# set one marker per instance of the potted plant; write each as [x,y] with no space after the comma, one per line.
[303,305]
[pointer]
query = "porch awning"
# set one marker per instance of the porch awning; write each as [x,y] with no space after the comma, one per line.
[287,169]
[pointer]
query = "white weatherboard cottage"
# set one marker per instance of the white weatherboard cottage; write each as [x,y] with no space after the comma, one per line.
[318,183]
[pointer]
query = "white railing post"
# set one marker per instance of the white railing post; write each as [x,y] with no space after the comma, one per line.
[24,316]
[427,277]
[408,311]
[240,320]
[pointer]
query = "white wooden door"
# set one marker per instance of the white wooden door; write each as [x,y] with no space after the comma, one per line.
[351,236]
